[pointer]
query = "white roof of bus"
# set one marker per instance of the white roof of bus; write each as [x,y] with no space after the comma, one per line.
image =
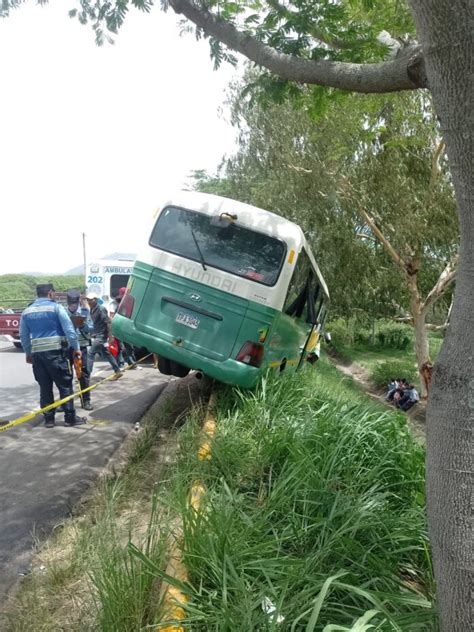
[248,215]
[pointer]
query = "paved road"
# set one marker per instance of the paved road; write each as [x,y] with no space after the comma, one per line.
[43,472]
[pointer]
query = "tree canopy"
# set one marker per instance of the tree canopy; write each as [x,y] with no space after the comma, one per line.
[341,44]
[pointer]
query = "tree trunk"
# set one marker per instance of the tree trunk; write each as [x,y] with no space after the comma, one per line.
[422,350]
[422,347]
[445,30]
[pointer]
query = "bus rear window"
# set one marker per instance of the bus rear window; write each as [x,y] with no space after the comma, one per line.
[234,249]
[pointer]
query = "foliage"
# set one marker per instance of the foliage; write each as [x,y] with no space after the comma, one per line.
[317,169]
[17,290]
[342,31]
[341,336]
[315,502]
[357,332]
[384,372]
[394,335]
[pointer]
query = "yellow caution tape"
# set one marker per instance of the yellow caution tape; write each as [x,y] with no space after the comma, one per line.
[60,402]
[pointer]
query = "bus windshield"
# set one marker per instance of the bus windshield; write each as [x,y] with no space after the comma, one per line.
[232,248]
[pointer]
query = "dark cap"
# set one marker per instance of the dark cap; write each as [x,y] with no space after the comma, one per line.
[42,289]
[73,296]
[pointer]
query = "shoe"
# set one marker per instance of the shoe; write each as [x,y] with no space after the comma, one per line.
[49,423]
[116,376]
[88,406]
[75,422]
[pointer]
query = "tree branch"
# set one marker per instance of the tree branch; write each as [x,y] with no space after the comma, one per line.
[446,277]
[401,263]
[405,72]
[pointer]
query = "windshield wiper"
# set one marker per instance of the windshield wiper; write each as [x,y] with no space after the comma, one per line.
[203,262]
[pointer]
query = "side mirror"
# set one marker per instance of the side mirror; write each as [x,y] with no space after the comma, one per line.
[327,337]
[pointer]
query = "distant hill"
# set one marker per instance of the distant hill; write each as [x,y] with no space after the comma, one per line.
[76,270]
[42,274]
[17,290]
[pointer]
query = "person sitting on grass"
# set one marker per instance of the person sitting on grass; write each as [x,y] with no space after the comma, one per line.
[398,393]
[391,388]
[409,398]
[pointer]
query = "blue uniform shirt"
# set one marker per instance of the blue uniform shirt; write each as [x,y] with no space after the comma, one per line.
[45,326]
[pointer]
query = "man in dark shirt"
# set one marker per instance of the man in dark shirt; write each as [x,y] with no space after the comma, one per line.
[100,336]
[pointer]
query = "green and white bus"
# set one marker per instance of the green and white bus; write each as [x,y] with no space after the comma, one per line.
[224,288]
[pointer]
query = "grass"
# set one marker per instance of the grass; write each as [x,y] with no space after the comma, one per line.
[368,356]
[86,576]
[315,504]
[313,520]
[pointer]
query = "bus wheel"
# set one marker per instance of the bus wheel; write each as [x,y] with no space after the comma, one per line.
[178,370]
[164,365]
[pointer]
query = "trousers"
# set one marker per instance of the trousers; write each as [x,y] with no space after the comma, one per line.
[84,382]
[97,346]
[49,368]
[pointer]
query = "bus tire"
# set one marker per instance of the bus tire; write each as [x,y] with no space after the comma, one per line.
[164,365]
[178,370]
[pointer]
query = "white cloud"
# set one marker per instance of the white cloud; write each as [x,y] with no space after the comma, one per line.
[90,136]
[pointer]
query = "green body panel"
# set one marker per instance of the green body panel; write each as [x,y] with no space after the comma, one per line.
[287,340]
[226,322]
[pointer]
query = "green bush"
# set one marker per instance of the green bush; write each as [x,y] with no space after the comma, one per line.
[340,334]
[383,372]
[355,332]
[394,335]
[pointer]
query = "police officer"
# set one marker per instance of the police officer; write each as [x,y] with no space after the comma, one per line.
[81,319]
[46,333]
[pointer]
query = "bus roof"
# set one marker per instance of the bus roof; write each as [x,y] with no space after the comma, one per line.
[247,215]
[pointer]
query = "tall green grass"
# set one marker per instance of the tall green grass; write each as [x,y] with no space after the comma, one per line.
[315,502]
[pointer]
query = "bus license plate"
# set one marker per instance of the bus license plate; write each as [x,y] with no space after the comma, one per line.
[186,319]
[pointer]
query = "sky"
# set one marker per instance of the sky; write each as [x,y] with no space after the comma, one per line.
[90,138]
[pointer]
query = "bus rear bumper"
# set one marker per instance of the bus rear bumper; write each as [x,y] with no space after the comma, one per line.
[228,371]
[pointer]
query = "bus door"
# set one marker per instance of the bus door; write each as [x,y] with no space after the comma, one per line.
[313,309]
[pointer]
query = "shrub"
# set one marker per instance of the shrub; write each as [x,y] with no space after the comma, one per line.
[340,334]
[383,372]
[394,335]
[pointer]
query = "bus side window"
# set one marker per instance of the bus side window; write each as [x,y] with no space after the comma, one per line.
[298,289]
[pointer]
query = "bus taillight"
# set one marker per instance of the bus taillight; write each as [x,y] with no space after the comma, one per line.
[126,306]
[251,354]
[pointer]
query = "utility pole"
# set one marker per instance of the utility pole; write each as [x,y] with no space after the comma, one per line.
[84,256]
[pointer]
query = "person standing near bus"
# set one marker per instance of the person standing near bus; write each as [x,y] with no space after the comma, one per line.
[46,334]
[81,319]
[100,336]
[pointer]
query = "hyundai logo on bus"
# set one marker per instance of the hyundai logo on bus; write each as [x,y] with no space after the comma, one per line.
[190,272]
[195,297]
